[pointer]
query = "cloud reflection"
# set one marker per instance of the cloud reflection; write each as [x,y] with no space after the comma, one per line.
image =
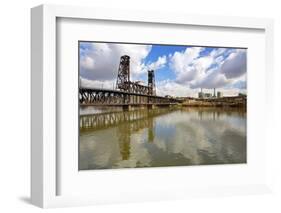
[170,138]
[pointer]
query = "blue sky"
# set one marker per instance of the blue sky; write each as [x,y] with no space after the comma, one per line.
[179,70]
[159,50]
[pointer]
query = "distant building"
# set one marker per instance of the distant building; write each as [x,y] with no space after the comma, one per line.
[214,95]
[204,95]
[200,95]
[207,95]
[219,94]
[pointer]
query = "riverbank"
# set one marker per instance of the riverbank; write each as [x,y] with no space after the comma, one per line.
[240,102]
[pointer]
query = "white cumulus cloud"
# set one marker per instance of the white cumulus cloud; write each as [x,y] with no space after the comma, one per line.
[106,84]
[160,63]
[235,65]
[196,68]
[99,61]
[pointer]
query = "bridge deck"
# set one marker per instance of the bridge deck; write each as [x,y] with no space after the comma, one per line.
[108,97]
[122,92]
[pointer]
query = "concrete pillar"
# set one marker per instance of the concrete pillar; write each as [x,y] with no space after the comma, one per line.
[127,107]
[151,106]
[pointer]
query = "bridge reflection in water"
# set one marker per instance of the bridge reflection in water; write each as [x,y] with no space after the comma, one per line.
[127,123]
[138,119]
[162,137]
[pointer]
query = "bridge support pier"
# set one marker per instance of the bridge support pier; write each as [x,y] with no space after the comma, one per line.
[127,107]
[151,106]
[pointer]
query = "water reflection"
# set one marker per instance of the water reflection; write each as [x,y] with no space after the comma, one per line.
[162,137]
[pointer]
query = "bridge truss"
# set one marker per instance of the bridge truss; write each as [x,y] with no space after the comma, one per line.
[105,97]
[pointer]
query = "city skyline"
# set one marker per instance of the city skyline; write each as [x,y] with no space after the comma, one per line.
[179,70]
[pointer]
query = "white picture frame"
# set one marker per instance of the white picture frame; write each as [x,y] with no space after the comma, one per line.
[44,154]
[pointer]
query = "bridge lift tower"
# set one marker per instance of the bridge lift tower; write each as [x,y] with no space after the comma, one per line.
[151,82]
[123,77]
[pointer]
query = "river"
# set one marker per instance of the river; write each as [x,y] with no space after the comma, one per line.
[111,138]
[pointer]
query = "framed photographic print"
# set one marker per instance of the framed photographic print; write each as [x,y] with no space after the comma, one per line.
[149,106]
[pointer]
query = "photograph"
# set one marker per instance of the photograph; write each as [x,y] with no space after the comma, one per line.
[159,105]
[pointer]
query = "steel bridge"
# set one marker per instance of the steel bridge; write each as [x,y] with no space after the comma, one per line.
[127,92]
[106,97]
